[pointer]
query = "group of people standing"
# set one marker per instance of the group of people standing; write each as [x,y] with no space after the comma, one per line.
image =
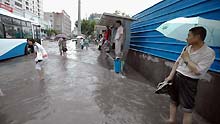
[113,38]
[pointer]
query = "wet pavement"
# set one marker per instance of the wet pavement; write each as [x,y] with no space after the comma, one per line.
[78,89]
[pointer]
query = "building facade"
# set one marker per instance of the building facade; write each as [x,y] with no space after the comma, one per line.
[153,54]
[31,9]
[59,21]
[48,16]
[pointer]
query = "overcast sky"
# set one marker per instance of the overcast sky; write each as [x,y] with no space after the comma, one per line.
[130,7]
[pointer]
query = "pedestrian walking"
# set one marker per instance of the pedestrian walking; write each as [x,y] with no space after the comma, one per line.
[62,46]
[118,39]
[192,65]
[82,43]
[41,55]
[86,43]
[101,38]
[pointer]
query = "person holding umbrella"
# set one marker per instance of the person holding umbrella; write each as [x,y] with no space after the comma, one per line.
[193,63]
[62,43]
[62,46]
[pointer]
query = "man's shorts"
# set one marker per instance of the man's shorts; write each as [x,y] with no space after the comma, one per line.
[183,92]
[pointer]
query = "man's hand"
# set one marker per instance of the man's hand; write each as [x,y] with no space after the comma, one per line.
[185,56]
[169,78]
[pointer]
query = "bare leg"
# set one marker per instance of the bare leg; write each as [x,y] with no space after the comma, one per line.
[64,53]
[41,74]
[187,118]
[173,109]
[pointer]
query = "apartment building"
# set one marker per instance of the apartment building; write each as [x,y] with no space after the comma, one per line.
[60,21]
[31,9]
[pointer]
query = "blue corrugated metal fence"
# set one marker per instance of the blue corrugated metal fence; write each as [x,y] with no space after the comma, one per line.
[145,39]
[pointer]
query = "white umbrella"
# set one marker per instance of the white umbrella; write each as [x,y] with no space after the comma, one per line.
[178,29]
[80,37]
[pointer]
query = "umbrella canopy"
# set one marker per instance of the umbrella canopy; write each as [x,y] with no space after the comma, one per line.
[178,29]
[61,36]
[80,37]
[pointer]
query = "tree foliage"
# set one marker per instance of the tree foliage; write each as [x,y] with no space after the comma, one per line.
[117,12]
[51,32]
[87,27]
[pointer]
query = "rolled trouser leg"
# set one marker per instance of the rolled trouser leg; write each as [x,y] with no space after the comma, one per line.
[117,48]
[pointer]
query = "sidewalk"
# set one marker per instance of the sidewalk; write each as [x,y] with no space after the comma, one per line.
[78,89]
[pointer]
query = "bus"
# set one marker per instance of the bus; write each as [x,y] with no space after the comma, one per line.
[14,31]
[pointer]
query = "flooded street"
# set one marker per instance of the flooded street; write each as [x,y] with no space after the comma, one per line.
[78,89]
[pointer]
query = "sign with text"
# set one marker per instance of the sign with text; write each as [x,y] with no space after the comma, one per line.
[6,7]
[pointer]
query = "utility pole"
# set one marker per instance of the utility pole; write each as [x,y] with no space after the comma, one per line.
[79,17]
[79,24]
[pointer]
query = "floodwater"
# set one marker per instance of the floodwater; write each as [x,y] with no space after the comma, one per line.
[78,89]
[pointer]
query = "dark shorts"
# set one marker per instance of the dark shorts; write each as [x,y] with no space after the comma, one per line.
[183,92]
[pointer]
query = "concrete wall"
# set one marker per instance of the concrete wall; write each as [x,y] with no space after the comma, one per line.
[155,69]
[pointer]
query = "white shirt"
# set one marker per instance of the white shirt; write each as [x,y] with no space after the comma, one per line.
[203,58]
[119,32]
[40,51]
[82,42]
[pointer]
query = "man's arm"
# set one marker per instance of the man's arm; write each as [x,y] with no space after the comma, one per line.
[202,66]
[192,66]
[172,73]
[175,66]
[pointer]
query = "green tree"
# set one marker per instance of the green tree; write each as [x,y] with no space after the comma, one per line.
[117,12]
[87,27]
[51,32]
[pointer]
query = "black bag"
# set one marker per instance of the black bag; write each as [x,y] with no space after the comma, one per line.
[100,47]
[65,49]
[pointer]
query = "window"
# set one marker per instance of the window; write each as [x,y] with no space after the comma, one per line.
[27,3]
[36,32]
[6,20]
[27,32]
[23,23]
[6,3]
[28,24]
[16,22]
[27,8]
[18,4]
[1,31]
[20,0]
[13,31]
